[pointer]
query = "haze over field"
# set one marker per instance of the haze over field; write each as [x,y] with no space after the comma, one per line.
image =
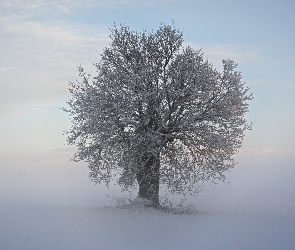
[47,202]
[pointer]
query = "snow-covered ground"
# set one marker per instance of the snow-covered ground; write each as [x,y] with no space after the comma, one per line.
[65,211]
[36,226]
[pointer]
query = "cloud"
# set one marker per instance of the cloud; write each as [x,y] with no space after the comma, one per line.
[28,7]
[38,59]
[265,154]
[217,52]
[237,53]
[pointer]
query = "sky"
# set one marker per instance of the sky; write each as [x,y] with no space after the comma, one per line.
[43,42]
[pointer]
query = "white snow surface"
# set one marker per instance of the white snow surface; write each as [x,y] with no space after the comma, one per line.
[69,212]
[36,226]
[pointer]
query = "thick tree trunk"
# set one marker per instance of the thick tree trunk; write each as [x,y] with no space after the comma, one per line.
[148,180]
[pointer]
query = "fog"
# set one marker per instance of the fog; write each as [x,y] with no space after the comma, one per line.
[48,202]
[255,183]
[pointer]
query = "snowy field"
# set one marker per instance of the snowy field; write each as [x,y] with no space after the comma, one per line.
[38,226]
[61,210]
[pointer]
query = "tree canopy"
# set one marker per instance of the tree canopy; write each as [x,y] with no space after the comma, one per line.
[157,113]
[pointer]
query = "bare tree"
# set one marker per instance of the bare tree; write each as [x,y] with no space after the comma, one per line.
[157,113]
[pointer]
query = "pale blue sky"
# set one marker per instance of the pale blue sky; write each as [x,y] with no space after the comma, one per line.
[43,42]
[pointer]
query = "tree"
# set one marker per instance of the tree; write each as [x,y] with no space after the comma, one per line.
[157,113]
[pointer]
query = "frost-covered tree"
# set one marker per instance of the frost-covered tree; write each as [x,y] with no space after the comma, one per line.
[157,113]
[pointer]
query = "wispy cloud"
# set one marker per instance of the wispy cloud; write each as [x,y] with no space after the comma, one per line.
[38,59]
[240,54]
[265,153]
[27,7]
[237,53]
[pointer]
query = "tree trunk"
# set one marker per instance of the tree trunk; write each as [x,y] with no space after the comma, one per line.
[148,179]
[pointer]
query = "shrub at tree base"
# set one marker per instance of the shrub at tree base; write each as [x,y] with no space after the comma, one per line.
[157,113]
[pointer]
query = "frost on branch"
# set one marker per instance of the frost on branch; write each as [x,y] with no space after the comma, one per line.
[157,113]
